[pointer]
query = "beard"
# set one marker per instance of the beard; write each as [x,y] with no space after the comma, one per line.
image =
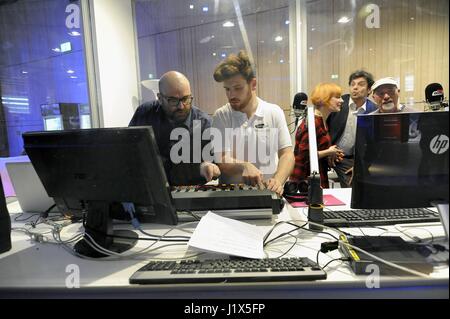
[388,107]
[239,105]
[179,116]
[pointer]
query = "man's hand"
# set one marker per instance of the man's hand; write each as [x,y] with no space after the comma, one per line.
[209,171]
[251,175]
[275,186]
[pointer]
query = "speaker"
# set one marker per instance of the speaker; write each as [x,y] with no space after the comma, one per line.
[5,223]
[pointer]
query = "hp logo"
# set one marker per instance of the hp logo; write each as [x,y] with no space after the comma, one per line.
[439,144]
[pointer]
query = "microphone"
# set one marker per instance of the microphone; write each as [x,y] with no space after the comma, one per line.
[434,96]
[299,106]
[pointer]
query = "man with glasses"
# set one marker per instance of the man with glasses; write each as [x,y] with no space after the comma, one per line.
[173,110]
[385,93]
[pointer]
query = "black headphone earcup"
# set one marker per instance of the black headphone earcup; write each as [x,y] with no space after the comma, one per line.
[303,188]
[290,188]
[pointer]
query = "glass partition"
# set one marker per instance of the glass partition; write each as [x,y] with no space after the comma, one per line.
[42,71]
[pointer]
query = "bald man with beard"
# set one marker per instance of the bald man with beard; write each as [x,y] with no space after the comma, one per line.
[173,109]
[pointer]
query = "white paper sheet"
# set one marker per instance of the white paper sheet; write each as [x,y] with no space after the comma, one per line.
[228,236]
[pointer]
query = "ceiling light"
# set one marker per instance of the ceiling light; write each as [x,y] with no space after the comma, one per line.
[278,38]
[205,9]
[75,33]
[286,22]
[228,24]
[191,6]
[70,71]
[344,20]
[206,39]
[56,50]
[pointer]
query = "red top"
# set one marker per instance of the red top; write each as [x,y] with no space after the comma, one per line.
[301,152]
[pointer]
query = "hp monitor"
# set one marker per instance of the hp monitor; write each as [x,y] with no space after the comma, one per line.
[401,160]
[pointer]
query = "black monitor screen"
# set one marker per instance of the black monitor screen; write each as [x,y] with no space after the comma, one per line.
[101,168]
[401,160]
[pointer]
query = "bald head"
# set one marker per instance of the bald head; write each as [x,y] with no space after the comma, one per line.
[173,81]
[175,96]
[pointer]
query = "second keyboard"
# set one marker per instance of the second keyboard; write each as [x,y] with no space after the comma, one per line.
[228,270]
[378,217]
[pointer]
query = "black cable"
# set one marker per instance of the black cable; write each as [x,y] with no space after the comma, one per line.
[16,219]
[160,238]
[281,235]
[336,259]
[293,245]
[45,214]
[184,238]
[196,217]
[360,229]
[316,231]
[297,227]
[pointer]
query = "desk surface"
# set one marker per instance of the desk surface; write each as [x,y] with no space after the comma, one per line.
[44,268]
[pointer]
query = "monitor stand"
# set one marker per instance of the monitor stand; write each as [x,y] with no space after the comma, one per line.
[99,226]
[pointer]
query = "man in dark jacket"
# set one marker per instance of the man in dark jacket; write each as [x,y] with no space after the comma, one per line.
[342,124]
[178,126]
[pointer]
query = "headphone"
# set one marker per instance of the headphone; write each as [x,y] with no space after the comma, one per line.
[296,188]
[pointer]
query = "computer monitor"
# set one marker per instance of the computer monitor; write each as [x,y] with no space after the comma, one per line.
[401,160]
[100,169]
[53,123]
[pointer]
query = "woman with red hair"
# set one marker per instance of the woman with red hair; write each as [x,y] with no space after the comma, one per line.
[326,98]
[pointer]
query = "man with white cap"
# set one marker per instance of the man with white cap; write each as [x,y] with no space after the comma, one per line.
[385,93]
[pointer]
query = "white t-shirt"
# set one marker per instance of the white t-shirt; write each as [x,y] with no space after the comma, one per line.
[256,140]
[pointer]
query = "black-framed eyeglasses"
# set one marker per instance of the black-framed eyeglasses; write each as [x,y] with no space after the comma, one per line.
[383,92]
[174,102]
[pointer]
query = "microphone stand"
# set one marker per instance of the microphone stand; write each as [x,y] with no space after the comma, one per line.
[315,192]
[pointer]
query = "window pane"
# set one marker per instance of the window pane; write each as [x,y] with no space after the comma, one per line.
[42,71]
[403,39]
[194,38]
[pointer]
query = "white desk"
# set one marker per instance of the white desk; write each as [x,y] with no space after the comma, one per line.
[36,269]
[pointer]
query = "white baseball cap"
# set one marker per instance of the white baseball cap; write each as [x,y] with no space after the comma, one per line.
[383,81]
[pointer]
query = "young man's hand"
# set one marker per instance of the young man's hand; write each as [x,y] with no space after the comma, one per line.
[275,186]
[209,171]
[251,175]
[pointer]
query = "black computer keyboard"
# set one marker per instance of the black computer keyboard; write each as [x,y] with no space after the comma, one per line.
[228,270]
[378,217]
